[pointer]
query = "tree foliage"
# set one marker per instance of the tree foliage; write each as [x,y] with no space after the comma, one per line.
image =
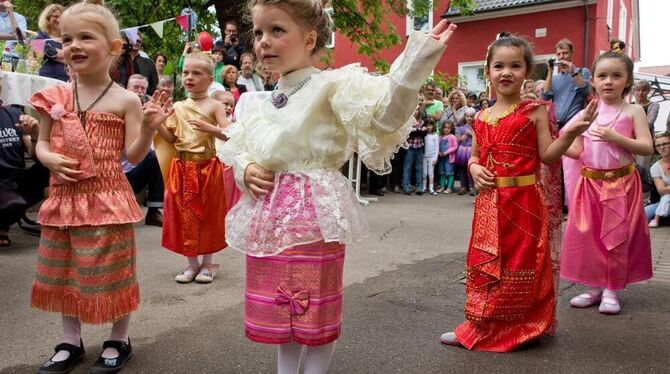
[361,21]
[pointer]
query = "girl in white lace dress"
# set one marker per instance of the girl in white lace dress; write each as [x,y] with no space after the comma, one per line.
[298,211]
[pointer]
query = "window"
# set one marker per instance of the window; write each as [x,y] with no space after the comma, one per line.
[331,41]
[472,73]
[623,21]
[423,24]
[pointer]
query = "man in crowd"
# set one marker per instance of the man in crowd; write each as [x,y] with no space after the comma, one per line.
[247,77]
[139,84]
[147,173]
[9,21]
[566,84]
[231,45]
[144,66]
[20,188]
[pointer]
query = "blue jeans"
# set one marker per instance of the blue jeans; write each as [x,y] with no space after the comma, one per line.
[414,156]
[444,167]
[650,211]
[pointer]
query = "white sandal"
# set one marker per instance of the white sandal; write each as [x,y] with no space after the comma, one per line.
[187,275]
[449,338]
[609,305]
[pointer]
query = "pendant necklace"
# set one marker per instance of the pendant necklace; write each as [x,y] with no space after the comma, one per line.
[82,113]
[279,100]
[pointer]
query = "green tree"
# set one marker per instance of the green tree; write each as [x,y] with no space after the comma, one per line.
[361,21]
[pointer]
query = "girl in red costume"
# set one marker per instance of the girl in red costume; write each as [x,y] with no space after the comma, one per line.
[510,287]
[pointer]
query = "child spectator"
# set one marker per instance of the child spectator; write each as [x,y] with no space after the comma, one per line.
[447,157]
[430,153]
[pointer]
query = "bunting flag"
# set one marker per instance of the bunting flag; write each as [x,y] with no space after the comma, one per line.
[183,22]
[132,33]
[158,28]
[37,45]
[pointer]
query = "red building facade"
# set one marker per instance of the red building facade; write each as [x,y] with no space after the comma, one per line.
[588,24]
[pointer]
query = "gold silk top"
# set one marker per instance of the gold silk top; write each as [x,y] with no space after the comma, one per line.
[189,139]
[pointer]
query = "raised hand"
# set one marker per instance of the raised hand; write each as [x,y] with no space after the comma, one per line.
[157,110]
[443,31]
[588,116]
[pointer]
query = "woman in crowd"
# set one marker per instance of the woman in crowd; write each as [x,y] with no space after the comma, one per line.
[53,61]
[160,60]
[660,172]
[455,112]
[229,78]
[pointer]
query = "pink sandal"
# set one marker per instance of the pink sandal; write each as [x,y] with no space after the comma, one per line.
[609,305]
[585,300]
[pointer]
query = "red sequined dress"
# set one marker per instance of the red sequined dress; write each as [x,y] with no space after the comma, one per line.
[510,296]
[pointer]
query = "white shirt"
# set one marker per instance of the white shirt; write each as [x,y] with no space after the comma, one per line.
[250,83]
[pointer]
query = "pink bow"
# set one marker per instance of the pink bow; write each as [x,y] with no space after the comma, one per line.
[57,111]
[297,301]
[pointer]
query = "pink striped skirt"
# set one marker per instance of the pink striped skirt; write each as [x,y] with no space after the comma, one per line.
[295,295]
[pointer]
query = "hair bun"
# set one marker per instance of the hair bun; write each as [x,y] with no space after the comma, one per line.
[94,2]
[617,45]
[503,34]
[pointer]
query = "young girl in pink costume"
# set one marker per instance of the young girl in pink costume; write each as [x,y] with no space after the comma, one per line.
[298,210]
[86,256]
[606,243]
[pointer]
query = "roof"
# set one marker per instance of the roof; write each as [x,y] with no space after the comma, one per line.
[493,5]
[655,70]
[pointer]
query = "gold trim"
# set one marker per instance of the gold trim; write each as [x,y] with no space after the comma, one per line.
[190,156]
[520,181]
[608,173]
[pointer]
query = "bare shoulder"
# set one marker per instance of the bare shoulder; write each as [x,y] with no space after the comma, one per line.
[538,112]
[633,109]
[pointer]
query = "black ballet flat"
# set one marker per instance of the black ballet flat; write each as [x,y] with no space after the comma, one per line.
[113,365]
[62,367]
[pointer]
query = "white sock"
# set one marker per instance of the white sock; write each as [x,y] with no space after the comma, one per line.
[288,358]
[318,358]
[609,293]
[71,335]
[119,333]
[207,259]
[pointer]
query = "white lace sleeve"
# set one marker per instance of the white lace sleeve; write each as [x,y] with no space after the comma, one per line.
[375,110]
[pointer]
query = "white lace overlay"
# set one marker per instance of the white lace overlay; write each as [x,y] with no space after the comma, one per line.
[291,214]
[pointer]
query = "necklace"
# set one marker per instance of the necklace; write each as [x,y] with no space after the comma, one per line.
[608,124]
[280,99]
[82,113]
[199,97]
[493,121]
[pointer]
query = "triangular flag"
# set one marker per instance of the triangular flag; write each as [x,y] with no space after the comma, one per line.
[132,32]
[158,27]
[38,45]
[182,21]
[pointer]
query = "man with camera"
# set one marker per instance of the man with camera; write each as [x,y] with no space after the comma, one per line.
[231,45]
[12,26]
[567,85]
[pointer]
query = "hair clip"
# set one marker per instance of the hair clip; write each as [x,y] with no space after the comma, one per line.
[617,46]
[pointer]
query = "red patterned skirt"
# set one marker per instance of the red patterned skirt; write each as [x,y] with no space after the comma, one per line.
[295,295]
[194,208]
[87,272]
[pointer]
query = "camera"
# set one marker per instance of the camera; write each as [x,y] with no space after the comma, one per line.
[551,62]
[233,38]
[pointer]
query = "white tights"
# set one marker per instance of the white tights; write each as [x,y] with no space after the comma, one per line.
[72,335]
[317,358]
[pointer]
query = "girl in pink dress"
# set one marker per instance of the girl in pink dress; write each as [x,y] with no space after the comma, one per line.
[606,244]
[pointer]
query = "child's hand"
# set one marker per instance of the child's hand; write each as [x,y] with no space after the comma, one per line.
[258,180]
[64,168]
[157,110]
[588,116]
[203,126]
[482,177]
[604,134]
[443,31]
[26,124]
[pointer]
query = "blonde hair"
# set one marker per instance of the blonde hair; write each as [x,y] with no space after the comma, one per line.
[460,95]
[43,21]
[203,58]
[225,71]
[218,95]
[96,12]
[309,13]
